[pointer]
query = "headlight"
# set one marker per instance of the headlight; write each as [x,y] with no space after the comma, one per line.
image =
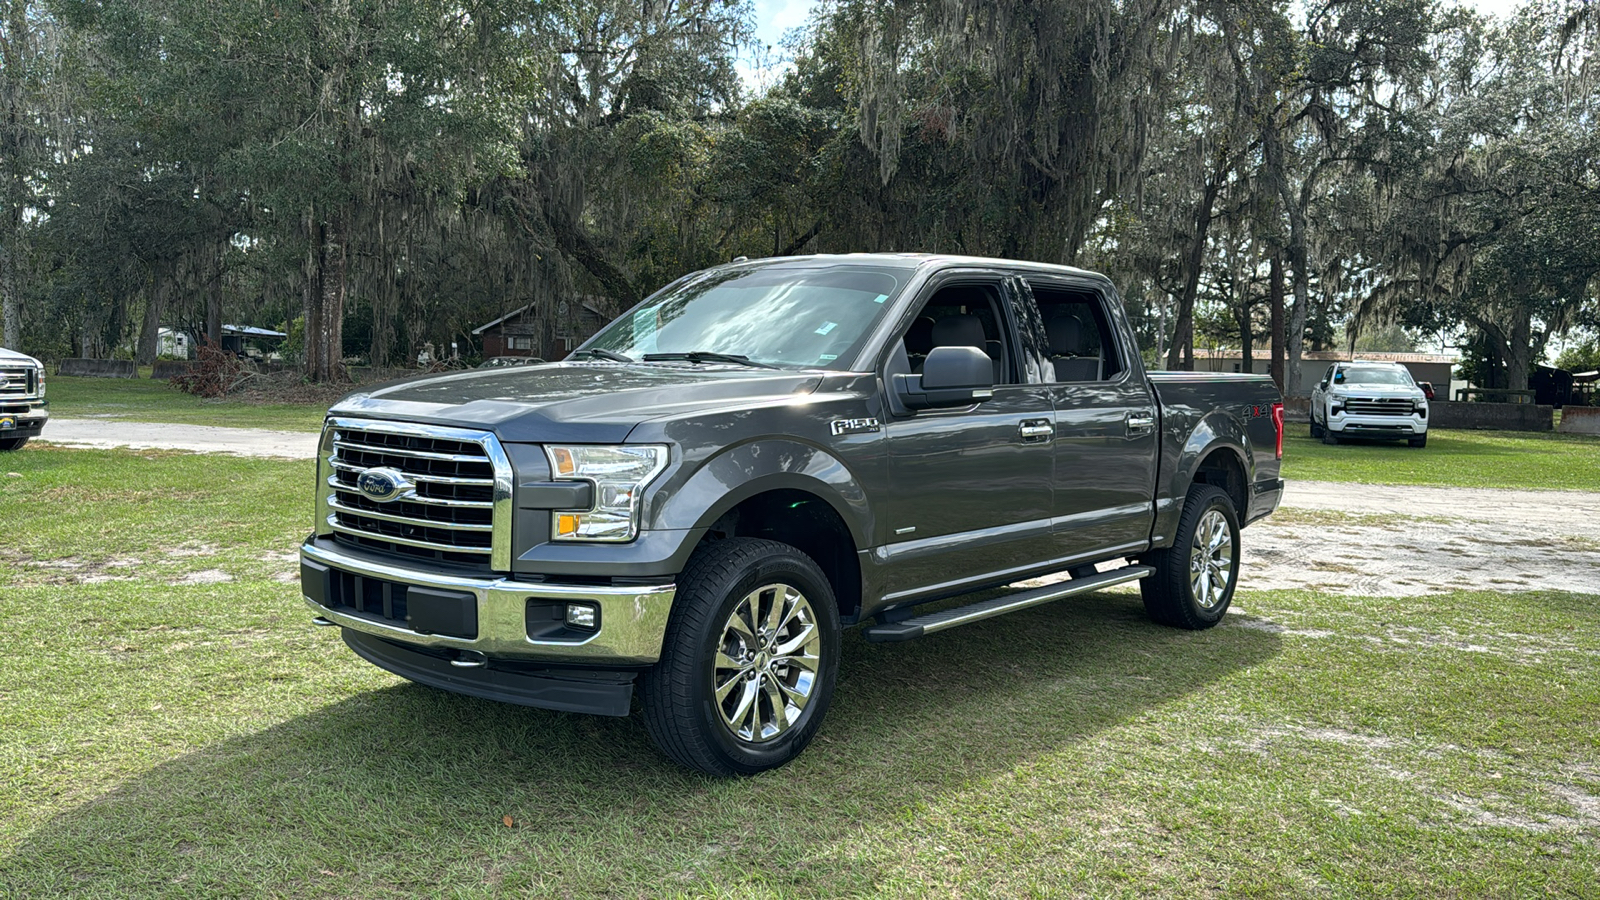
[39,374]
[1420,405]
[619,474]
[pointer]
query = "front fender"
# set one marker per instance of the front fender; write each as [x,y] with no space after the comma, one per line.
[741,472]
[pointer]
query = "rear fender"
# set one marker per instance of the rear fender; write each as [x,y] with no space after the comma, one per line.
[1216,431]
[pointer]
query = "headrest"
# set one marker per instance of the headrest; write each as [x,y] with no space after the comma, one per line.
[1066,336]
[919,339]
[961,330]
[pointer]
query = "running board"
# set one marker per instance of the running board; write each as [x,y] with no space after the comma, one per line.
[913,628]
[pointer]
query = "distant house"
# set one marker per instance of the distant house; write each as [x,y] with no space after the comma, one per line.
[1429,367]
[517,333]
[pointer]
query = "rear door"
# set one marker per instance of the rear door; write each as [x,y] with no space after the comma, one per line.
[1105,419]
[970,489]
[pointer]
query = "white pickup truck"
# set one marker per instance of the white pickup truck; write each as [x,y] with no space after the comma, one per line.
[1367,399]
[23,409]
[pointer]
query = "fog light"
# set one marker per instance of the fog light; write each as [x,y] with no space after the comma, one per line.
[583,615]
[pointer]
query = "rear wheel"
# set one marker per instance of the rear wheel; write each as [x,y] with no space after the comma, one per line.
[1194,578]
[749,659]
[12,444]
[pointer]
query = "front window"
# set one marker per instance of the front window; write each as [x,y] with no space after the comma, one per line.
[1376,375]
[799,315]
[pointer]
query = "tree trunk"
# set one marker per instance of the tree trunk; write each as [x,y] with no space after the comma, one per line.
[10,302]
[213,291]
[1275,301]
[325,296]
[1519,355]
[150,327]
[1183,336]
[1247,338]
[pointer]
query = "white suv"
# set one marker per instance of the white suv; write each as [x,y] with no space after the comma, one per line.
[1370,400]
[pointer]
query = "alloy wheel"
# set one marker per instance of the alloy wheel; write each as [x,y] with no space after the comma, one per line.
[767,662]
[1211,559]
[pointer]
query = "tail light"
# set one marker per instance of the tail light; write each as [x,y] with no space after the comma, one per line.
[1277,423]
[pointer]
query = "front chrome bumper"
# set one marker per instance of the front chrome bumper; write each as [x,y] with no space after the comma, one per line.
[633,619]
[28,420]
[1395,426]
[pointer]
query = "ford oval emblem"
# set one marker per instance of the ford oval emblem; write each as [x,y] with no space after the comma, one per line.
[383,485]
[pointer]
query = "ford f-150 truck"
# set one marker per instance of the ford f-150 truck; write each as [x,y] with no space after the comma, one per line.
[699,498]
[23,408]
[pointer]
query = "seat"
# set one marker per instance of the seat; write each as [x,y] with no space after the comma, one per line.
[964,330]
[1069,350]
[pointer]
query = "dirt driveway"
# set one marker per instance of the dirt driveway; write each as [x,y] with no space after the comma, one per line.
[1402,540]
[1378,540]
[200,438]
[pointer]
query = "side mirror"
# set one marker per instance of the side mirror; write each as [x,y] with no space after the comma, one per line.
[951,376]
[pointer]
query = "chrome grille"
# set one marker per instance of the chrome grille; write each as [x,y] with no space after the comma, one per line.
[17,381]
[1378,406]
[451,513]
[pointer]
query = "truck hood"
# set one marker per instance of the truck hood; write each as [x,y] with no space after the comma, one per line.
[12,356]
[587,402]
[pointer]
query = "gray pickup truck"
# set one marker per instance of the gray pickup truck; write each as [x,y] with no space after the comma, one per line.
[23,407]
[704,493]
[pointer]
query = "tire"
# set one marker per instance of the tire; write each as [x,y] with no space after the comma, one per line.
[1316,430]
[1329,437]
[711,640]
[12,444]
[1171,595]
[1418,441]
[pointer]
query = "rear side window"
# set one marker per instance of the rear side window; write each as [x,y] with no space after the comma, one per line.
[1082,348]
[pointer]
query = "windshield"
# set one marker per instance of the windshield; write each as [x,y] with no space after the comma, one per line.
[1376,375]
[783,315]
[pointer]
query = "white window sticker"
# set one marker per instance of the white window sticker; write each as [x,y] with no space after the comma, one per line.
[827,327]
[880,298]
[828,357]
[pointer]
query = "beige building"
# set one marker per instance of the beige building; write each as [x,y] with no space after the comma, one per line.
[1430,367]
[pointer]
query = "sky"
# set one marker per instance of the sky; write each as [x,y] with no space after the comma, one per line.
[775,17]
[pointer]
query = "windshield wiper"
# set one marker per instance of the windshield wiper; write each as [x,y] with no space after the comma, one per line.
[705,356]
[607,354]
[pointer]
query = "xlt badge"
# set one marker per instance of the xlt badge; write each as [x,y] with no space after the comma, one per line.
[855,426]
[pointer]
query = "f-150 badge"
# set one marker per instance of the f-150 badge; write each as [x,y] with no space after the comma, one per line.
[855,426]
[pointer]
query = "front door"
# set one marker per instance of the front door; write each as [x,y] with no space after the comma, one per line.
[971,495]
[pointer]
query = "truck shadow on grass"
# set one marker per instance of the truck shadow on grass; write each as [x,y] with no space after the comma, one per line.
[408,790]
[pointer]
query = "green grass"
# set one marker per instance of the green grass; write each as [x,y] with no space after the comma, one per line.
[143,400]
[1500,459]
[163,739]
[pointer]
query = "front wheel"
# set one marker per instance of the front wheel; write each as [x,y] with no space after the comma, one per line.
[1420,440]
[1194,578]
[748,661]
[1328,437]
[12,444]
[1316,430]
